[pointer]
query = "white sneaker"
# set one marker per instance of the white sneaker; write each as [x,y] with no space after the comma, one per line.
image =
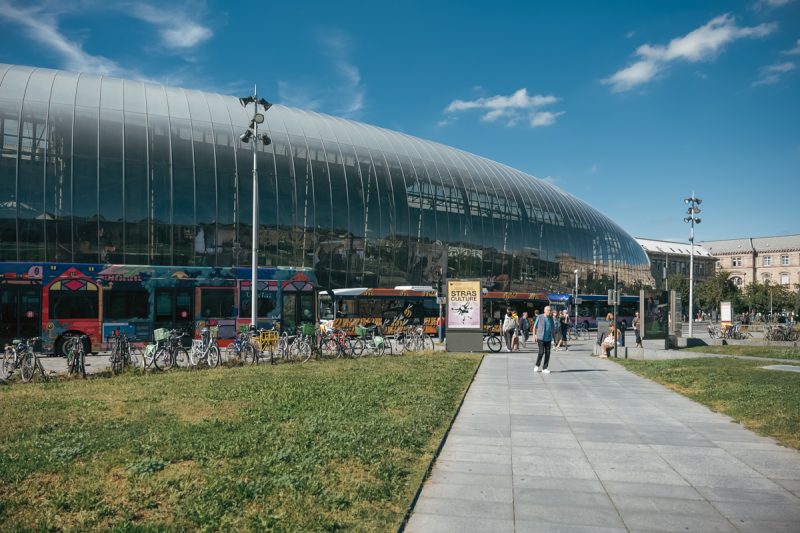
[545,371]
[535,368]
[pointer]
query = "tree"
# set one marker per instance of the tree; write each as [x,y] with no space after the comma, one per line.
[680,284]
[718,288]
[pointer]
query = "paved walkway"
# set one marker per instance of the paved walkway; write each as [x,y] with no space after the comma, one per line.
[592,447]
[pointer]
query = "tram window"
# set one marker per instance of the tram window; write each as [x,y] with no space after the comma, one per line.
[73,304]
[125,304]
[267,303]
[217,303]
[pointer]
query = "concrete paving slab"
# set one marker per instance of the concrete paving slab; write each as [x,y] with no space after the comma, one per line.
[593,447]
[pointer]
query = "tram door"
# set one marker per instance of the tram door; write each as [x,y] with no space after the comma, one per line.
[298,307]
[20,310]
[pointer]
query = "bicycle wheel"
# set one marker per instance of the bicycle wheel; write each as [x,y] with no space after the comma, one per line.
[116,362]
[427,343]
[7,365]
[249,354]
[214,358]
[27,366]
[81,362]
[181,357]
[494,343]
[162,359]
[305,350]
[358,347]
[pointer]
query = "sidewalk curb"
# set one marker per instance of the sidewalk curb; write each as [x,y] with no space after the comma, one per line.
[436,453]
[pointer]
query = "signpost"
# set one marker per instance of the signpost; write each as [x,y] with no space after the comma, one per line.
[464,316]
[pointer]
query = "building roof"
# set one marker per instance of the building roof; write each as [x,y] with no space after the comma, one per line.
[672,248]
[782,243]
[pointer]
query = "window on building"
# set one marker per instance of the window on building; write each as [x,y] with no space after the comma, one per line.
[766,278]
[718,265]
[784,260]
[737,281]
[784,278]
[736,261]
[767,260]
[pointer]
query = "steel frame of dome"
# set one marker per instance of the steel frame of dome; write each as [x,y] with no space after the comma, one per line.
[100,169]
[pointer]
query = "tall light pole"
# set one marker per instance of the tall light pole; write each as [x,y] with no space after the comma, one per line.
[252,134]
[693,209]
[576,298]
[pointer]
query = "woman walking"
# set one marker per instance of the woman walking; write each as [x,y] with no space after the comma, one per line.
[563,324]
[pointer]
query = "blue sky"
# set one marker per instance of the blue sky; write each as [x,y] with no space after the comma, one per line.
[629,106]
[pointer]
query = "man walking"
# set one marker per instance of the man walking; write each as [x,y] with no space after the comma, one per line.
[525,325]
[543,330]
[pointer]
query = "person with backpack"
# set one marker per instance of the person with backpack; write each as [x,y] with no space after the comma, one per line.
[543,332]
[508,328]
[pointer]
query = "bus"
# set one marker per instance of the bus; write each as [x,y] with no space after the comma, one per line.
[393,309]
[495,305]
[55,300]
[594,307]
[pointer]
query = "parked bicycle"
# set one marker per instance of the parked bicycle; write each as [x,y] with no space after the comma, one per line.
[493,341]
[205,349]
[120,353]
[21,355]
[172,353]
[75,348]
[370,341]
[414,339]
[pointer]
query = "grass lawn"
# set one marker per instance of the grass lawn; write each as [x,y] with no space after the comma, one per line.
[323,446]
[766,401]
[779,352]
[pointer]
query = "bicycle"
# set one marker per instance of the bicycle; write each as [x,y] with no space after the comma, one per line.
[265,342]
[578,332]
[21,355]
[120,353]
[171,353]
[414,339]
[205,349]
[75,349]
[370,341]
[335,343]
[493,341]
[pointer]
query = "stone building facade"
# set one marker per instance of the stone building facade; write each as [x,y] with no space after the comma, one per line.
[668,258]
[773,259]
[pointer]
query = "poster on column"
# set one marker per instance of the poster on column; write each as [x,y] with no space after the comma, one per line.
[463,305]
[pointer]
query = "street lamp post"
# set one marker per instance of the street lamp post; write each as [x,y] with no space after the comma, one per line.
[576,299]
[252,134]
[693,209]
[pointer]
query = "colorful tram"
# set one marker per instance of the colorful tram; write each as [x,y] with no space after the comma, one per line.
[53,300]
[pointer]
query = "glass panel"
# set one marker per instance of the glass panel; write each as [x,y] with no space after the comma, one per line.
[160,190]
[267,213]
[39,85]
[156,100]
[178,106]
[58,184]
[286,210]
[30,186]
[219,111]
[217,303]
[226,193]
[64,88]
[73,304]
[9,133]
[14,83]
[206,233]
[118,304]
[111,188]
[88,94]
[197,106]
[183,193]
[111,94]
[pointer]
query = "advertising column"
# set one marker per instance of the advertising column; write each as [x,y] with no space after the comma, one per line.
[464,316]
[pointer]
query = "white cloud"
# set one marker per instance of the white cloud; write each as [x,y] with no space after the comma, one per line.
[346,97]
[42,26]
[545,118]
[702,44]
[771,74]
[513,108]
[793,51]
[175,25]
[771,4]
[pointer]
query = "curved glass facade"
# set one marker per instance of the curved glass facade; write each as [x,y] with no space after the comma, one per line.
[98,169]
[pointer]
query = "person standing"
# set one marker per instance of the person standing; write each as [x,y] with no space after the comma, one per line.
[543,330]
[563,325]
[636,325]
[509,327]
[525,326]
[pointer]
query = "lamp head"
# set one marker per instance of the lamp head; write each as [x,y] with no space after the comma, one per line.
[265,140]
[266,105]
[246,100]
[259,118]
[246,136]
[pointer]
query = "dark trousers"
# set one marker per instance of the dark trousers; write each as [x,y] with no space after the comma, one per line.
[544,350]
[509,337]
